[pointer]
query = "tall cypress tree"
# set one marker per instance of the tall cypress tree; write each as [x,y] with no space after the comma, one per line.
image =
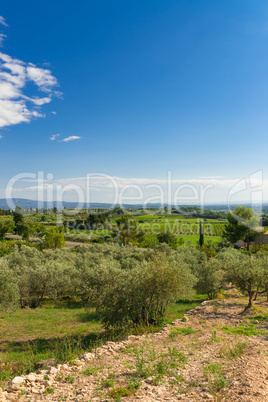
[201,235]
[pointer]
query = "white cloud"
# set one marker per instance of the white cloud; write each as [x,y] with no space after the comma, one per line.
[211,177]
[3,21]
[105,188]
[54,112]
[2,38]
[1,137]
[54,136]
[40,101]
[16,106]
[71,138]
[41,77]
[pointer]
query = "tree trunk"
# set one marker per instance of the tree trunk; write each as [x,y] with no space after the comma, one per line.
[251,298]
[247,238]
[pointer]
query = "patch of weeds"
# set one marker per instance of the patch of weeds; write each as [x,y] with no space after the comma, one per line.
[195,384]
[179,356]
[212,368]
[108,383]
[133,383]
[238,350]
[214,337]
[128,365]
[175,332]
[143,367]
[202,321]
[59,377]
[6,372]
[161,368]
[120,392]
[22,392]
[260,318]
[128,349]
[90,371]
[69,378]
[49,390]
[216,378]
[245,330]
[46,377]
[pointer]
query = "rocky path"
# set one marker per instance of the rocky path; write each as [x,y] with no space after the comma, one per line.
[212,353]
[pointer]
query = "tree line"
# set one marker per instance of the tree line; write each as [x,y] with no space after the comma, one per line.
[127,286]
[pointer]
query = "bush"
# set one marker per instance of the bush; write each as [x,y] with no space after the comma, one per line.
[54,239]
[134,296]
[9,292]
[250,275]
[40,274]
[79,238]
[210,278]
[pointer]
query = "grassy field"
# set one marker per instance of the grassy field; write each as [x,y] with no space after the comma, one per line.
[61,330]
[193,239]
[181,226]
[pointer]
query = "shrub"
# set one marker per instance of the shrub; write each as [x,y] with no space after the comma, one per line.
[79,237]
[250,275]
[210,278]
[135,295]
[54,239]
[9,292]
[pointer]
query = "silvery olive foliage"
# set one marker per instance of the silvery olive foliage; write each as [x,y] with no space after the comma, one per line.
[126,285]
[247,273]
[9,292]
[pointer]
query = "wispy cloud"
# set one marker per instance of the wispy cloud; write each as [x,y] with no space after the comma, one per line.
[3,21]
[2,38]
[41,77]
[211,177]
[71,138]
[105,188]
[54,136]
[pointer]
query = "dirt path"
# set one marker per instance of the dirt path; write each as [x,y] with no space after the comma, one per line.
[213,353]
[68,244]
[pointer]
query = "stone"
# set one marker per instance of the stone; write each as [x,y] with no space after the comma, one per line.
[88,356]
[31,377]
[52,370]
[149,380]
[16,382]
[65,366]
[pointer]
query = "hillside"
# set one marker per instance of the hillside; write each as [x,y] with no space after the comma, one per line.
[213,353]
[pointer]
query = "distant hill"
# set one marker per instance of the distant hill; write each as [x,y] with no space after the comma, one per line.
[27,204]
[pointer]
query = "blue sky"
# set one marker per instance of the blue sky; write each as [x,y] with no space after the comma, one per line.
[134,90]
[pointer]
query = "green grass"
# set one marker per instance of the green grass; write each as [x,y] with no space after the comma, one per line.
[195,238]
[178,309]
[260,318]
[245,330]
[216,377]
[61,330]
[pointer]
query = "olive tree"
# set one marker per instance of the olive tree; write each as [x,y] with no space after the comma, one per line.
[6,226]
[136,295]
[9,292]
[250,275]
[54,239]
[210,278]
